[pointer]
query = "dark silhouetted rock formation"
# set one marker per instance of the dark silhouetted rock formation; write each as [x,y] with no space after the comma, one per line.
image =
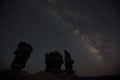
[68,63]
[53,62]
[22,54]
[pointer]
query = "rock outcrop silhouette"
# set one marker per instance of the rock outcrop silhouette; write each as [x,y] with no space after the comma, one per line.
[68,63]
[22,54]
[53,63]
[53,71]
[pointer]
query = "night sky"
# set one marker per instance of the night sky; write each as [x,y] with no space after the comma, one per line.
[88,29]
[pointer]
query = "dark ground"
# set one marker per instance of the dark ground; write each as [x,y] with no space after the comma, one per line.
[115,77]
